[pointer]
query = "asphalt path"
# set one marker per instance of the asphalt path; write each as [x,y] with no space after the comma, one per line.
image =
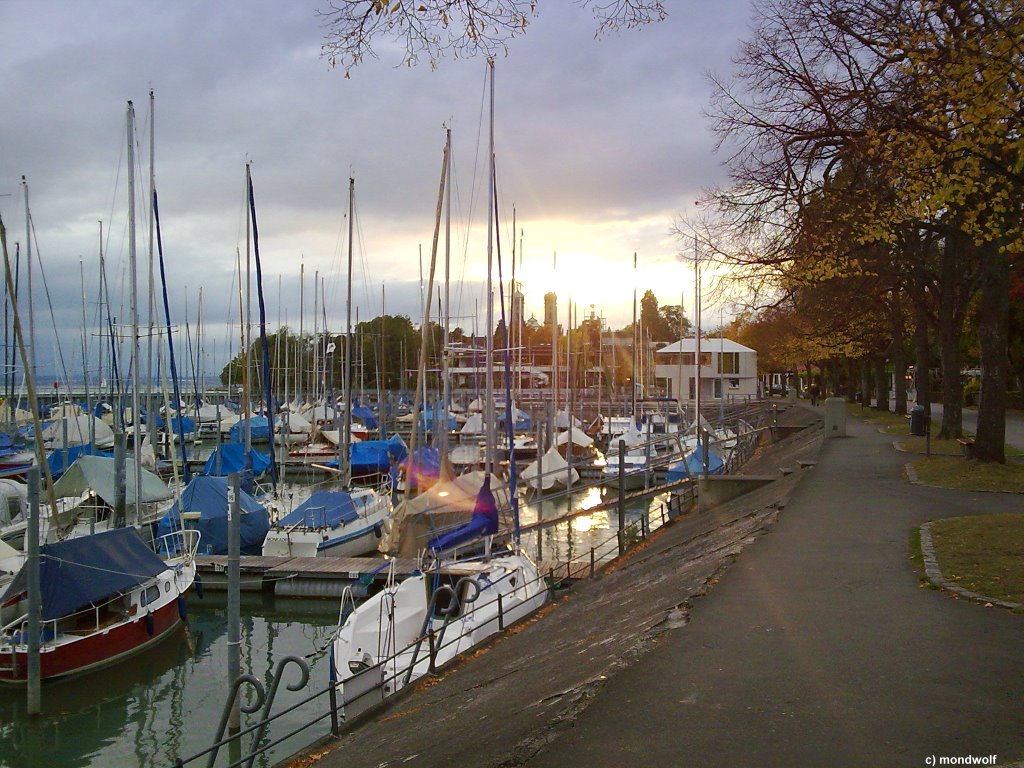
[819,647]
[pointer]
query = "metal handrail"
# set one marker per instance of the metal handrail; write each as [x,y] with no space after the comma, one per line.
[438,641]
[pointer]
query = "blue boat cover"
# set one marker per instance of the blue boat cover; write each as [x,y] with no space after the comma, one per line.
[232,460]
[371,456]
[365,415]
[434,416]
[322,509]
[209,496]
[259,429]
[186,424]
[521,419]
[58,465]
[484,522]
[693,465]
[79,572]
[423,467]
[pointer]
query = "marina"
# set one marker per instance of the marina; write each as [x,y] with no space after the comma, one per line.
[163,704]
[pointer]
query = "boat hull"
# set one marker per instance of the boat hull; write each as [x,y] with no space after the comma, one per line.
[93,651]
[383,631]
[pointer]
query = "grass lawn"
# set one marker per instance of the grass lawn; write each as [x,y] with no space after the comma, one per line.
[983,553]
[958,472]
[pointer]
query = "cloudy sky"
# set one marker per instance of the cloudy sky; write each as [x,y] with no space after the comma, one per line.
[600,144]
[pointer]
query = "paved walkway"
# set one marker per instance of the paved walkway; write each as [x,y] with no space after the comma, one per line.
[819,647]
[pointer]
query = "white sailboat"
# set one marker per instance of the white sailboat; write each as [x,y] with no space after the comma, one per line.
[339,523]
[550,471]
[462,602]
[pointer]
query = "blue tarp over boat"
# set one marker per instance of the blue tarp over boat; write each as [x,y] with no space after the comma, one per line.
[78,572]
[187,424]
[365,415]
[209,497]
[322,509]
[434,416]
[60,460]
[484,522]
[229,458]
[423,467]
[521,419]
[371,456]
[693,465]
[259,429]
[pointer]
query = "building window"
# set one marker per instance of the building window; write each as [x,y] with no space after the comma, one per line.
[728,362]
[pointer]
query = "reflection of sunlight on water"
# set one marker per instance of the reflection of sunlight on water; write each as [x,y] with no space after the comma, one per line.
[590,499]
[583,523]
[590,533]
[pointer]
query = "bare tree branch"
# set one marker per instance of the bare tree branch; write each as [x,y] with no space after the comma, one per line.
[431,29]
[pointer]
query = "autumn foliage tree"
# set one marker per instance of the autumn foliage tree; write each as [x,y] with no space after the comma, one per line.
[893,129]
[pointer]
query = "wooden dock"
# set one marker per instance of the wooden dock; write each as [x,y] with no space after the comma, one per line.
[303,576]
[327,577]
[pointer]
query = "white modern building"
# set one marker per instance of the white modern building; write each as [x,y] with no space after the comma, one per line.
[728,370]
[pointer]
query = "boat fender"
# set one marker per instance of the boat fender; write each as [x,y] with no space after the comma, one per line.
[182,611]
[150,624]
[198,582]
[377,530]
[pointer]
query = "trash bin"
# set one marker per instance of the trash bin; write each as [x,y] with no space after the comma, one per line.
[917,420]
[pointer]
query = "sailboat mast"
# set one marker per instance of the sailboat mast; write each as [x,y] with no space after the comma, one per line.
[134,274]
[489,330]
[299,357]
[152,285]
[446,384]
[344,463]
[636,344]
[247,330]
[28,267]
[85,353]
[696,316]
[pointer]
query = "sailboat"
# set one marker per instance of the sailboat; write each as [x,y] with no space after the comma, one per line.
[550,471]
[340,523]
[104,597]
[458,602]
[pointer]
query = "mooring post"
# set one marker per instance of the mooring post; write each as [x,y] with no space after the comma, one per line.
[622,497]
[234,598]
[34,598]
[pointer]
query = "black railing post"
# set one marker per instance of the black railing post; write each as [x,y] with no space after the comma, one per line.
[501,615]
[432,650]
[332,681]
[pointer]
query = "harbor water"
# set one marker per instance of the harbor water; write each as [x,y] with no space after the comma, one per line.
[166,702]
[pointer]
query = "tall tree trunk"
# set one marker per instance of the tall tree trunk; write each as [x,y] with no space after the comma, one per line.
[899,365]
[881,384]
[953,297]
[993,338]
[898,357]
[922,359]
[865,381]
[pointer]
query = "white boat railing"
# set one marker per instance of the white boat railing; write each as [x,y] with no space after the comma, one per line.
[178,547]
